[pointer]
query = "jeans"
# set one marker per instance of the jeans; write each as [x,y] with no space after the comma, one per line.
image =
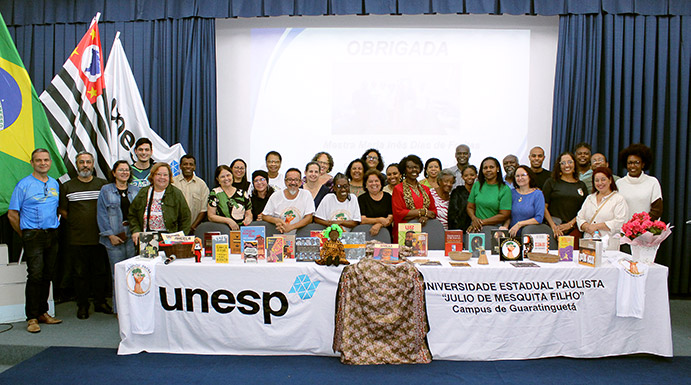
[40,254]
[118,254]
[90,272]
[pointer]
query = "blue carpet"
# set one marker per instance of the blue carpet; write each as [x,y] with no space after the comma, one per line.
[71,365]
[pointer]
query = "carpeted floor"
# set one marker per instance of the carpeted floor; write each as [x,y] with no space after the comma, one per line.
[84,352]
[75,365]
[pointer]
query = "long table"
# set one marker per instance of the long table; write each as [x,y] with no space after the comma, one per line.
[490,312]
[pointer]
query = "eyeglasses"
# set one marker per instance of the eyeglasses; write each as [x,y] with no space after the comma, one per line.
[372,158]
[633,162]
[342,185]
[259,180]
[292,180]
[323,163]
[566,163]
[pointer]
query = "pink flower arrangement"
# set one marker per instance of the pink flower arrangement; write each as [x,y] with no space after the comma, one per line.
[641,230]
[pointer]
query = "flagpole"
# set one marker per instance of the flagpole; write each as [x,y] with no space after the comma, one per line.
[95,19]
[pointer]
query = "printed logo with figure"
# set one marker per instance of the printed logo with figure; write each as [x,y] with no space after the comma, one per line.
[139,280]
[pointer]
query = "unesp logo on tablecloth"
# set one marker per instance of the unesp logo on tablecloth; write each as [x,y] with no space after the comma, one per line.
[304,287]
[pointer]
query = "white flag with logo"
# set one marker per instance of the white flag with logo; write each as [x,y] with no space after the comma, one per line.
[128,120]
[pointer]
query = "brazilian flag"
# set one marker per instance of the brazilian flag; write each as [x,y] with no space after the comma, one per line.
[23,123]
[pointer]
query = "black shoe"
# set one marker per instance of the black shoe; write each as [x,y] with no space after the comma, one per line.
[83,313]
[103,308]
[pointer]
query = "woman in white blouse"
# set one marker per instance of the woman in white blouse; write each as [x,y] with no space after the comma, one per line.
[604,210]
[642,192]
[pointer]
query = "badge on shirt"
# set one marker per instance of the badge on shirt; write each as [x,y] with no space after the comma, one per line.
[580,192]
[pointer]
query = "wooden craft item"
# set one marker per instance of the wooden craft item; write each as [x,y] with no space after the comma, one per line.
[460,255]
[543,257]
[482,259]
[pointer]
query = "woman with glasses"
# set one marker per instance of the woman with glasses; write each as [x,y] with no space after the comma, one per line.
[260,193]
[372,159]
[239,171]
[641,191]
[527,202]
[160,206]
[112,210]
[340,207]
[326,164]
[564,195]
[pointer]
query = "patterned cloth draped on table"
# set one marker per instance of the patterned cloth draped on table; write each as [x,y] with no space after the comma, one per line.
[381,316]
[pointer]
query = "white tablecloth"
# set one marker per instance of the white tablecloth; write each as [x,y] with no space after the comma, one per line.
[475,313]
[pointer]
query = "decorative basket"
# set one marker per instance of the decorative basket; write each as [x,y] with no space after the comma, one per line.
[181,250]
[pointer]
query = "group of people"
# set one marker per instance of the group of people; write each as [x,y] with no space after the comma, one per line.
[580,196]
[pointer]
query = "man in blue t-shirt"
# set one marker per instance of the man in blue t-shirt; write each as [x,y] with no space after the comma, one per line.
[142,167]
[33,214]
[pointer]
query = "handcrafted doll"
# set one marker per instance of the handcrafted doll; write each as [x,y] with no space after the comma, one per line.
[332,251]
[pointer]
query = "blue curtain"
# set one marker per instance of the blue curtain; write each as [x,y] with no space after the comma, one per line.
[22,12]
[624,79]
[173,61]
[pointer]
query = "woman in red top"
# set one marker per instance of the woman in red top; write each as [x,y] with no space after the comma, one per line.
[411,200]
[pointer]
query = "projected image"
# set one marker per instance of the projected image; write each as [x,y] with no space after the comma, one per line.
[396,100]
[400,90]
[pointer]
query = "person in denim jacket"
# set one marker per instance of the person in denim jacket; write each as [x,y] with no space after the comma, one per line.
[112,210]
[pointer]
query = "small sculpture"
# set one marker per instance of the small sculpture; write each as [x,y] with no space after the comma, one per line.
[482,259]
[332,252]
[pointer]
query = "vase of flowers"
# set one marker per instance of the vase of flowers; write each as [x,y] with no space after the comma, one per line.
[644,235]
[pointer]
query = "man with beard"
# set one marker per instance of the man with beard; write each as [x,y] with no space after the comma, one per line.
[33,215]
[291,208]
[510,162]
[462,159]
[536,158]
[78,199]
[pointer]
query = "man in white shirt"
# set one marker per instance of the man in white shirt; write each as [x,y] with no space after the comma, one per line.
[291,208]
[194,189]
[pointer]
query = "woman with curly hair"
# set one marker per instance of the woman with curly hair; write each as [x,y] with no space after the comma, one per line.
[356,173]
[642,192]
[326,164]
[411,200]
[372,159]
